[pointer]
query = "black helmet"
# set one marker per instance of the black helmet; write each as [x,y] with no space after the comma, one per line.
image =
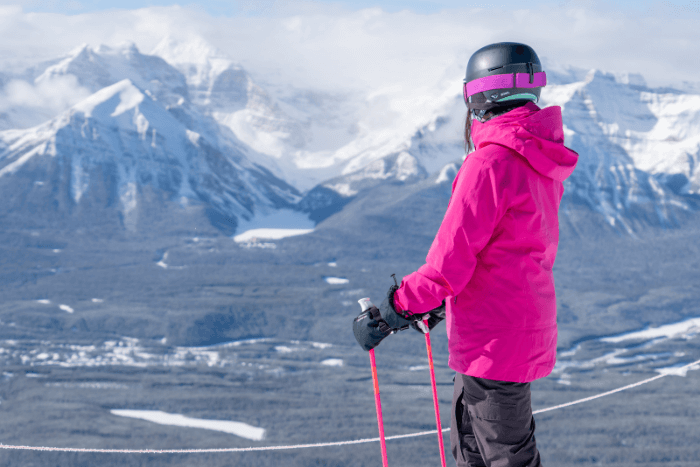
[505,74]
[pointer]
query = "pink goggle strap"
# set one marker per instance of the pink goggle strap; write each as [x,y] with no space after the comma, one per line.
[488,83]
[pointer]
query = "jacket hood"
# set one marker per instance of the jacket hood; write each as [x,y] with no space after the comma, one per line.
[534,133]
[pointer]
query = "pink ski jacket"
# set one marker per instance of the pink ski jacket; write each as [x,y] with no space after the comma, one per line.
[492,257]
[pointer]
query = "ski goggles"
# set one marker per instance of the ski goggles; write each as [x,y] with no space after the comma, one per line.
[510,80]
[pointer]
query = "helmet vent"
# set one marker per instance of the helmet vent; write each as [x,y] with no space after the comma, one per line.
[495,68]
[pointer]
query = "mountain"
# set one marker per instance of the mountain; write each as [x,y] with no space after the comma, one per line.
[41,92]
[308,136]
[120,158]
[223,90]
[639,147]
[104,66]
[612,119]
[639,150]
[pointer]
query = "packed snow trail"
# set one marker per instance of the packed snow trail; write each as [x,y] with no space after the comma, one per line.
[320,445]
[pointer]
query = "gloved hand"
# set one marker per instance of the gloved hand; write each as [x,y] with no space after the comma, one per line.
[396,320]
[434,317]
[401,320]
[370,329]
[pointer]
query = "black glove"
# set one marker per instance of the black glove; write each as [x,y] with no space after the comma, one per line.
[401,320]
[396,320]
[434,317]
[370,329]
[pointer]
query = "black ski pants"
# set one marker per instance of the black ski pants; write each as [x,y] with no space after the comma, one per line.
[492,424]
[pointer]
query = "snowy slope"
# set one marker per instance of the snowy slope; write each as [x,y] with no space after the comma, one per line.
[112,149]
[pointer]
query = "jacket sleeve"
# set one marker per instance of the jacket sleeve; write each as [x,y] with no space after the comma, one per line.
[475,208]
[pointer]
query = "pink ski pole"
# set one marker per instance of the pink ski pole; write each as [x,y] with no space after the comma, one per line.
[365,303]
[378,403]
[435,395]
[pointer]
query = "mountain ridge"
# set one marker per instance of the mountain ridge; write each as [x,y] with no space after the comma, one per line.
[640,147]
[119,140]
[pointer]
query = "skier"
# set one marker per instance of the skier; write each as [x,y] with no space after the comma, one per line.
[489,269]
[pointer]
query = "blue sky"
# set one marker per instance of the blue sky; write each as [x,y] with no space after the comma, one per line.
[266,7]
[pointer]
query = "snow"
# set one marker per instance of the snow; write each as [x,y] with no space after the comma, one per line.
[336,280]
[198,60]
[193,137]
[66,308]
[128,198]
[321,345]
[240,429]
[87,385]
[678,370]
[274,225]
[310,136]
[565,380]
[127,95]
[130,97]
[12,167]
[447,173]
[270,234]
[161,263]
[332,362]
[258,355]
[684,329]
[654,350]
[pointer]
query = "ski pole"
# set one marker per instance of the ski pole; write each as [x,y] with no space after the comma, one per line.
[435,395]
[365,303]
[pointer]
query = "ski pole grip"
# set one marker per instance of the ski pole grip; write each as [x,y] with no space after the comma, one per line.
[365,303]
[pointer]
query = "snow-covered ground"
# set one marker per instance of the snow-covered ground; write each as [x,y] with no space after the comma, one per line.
[274,225]
[162,418]
[685,329]
[336,280]
[253,354]
[659,349]
[269,234]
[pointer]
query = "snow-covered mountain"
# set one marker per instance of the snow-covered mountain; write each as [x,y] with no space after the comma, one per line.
[40,93]
[639,147]
[104,66]
[121,153]
[299,131]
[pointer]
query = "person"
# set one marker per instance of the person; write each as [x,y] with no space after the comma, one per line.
[489,269]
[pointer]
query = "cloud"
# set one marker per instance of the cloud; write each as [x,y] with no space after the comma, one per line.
[58,92]
[31,104]
[330,47]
